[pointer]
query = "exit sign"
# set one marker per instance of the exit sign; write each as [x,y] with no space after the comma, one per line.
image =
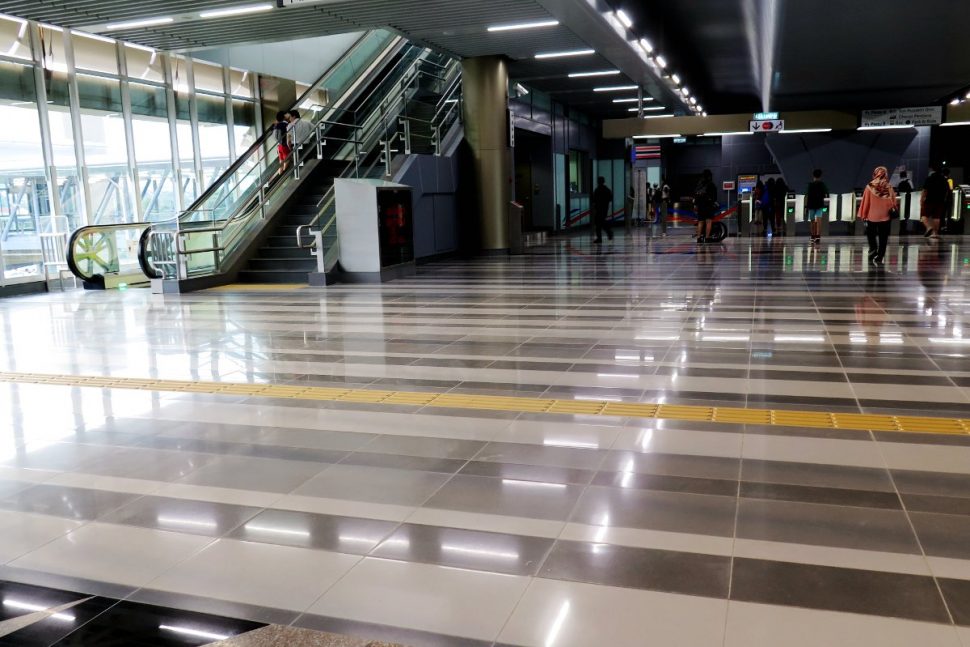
[765,116]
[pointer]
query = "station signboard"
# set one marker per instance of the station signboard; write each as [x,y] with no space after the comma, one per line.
[920,116]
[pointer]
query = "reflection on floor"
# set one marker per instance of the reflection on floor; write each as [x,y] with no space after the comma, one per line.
[159,518]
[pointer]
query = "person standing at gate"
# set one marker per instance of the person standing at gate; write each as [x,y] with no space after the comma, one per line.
[815,196]
[936,190]
[705,203]
[663,199]
[601,203]
[877,201]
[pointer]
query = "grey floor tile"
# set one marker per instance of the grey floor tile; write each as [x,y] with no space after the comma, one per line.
[527,454]
[150,464]
[504,496]
[666,483]
[815,474]
[826,525]
[248,473]
[318,531]
[68,502]
[943,535]
[481,551]
[932,483]
[838,589]
[957,596]
[707,467]
[394,461]
[827,495]
[59,456]
[669,511]
[520,472]
[639,568]
[374,484]
[181,515]
[939,504]
[423,446]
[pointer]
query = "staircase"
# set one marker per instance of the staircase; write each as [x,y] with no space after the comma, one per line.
[280,259]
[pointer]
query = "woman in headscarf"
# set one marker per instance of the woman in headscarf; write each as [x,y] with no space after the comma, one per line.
[877,201]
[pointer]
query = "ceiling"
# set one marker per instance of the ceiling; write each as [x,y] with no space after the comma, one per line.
[458,27]
[750,55]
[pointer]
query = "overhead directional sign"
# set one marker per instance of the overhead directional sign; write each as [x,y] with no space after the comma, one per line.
[766,125]
[924,116]
[762,116]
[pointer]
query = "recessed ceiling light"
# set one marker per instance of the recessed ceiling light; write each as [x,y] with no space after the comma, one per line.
[574,52]
[675,79]
[662,62]
[647,45]
[806,130]
[657,116]
[578,75]
[887,127]
[524,25]
[948,123]
[647,109]
[624,18]
[955,102]
[632,100]
[684,91]
[133,24]
[235,11]
[615,88]
[654,136]
[730,134]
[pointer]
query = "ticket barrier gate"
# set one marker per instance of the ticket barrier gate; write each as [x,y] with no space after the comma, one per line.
[957,222]
[745,214]
[796,215]
[843,224]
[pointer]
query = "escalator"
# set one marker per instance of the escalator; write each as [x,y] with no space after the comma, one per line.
[352,109]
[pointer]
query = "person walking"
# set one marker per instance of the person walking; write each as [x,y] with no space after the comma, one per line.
[903,189]
[778,207]
[298,131]
[663,201]
[601,202]
[933,199]
[705,203]
[877,201]
[815,196]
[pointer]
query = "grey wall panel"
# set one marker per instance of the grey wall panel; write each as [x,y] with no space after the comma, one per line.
[424,226]
[445,223]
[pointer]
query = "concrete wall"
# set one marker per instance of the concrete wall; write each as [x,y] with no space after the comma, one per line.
[302,60]
[434,183]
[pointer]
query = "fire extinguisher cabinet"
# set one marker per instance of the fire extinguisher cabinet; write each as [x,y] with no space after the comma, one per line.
[375,230]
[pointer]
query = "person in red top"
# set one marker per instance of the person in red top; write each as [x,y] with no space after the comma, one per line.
[877,201]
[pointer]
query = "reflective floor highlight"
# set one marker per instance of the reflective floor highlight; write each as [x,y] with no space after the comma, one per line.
[244,520]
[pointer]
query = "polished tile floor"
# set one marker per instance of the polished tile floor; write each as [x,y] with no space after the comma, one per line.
[125,513]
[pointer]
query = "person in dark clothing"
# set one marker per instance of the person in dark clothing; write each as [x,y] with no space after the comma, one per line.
[936,190]
[903,189]
[779,196]
[768,206]
[282,145]
[815,196]
[705,203]
[904,186]
[601,202]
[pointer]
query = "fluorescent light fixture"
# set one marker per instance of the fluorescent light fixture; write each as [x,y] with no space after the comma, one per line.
[889,127]
[684,91]
[572,52]
[521,89]
[662,62]
[692,101]
[103,39]
[646,45]
[806,130]
[956,123]
[28,606]
[195,633]
[235,11]
[647,108]
[579,75]
[615,88]
[955,102]
[703,113]
[655,137]
[729,134]
[133,24]
[524,25]
[623,17]
[632,100]
[675,78]
[664,116]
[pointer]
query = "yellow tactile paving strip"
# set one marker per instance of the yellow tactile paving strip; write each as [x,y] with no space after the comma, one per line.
[735,415]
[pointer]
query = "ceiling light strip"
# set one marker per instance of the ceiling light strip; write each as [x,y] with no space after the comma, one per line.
[236,11]
[574,52]
[525,25]
[579,75]
[134,24]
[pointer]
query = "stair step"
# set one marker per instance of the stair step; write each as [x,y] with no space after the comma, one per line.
[284,252]
[281,241]
[273,276]
[306,264]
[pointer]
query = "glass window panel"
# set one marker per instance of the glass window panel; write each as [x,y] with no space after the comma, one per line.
[214,147]
[51,43]
[94,54]
[65,163]
[240,83]
[106,156]
[182,105]
[17,82]
[57,89]
[243,124]
[62,135]
[208,78]
[180,74]
[97,93]
[190,183]
[149,100]
[144,63]
[24,200]
[14,38]
[211,109]
[153,152]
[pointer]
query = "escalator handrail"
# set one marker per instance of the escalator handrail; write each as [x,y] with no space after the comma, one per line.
[81,231]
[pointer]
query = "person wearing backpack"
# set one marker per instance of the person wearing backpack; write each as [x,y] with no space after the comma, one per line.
[705,203]
[815,196]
